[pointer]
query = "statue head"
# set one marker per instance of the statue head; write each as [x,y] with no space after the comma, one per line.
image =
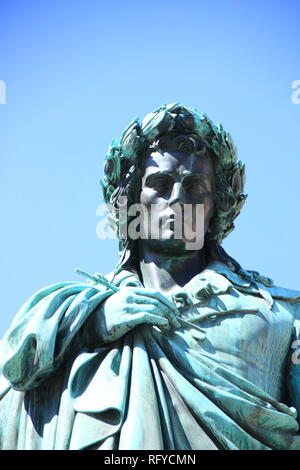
[180,131]
[177,194]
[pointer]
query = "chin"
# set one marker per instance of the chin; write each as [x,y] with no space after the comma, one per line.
[170,247]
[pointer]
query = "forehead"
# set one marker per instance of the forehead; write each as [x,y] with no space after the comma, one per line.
[178,162]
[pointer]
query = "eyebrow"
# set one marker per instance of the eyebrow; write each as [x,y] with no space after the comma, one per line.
[159,172]
[185,176]
[162,172]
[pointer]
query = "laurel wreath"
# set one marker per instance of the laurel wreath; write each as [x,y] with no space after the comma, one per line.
[122,157]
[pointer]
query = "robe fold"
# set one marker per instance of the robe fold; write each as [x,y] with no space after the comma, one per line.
[152,390]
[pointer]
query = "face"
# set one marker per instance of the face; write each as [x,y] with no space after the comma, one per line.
[175,183]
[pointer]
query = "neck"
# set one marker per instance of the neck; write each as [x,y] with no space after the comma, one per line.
[165,272]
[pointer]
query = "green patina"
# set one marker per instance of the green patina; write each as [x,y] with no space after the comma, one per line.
[204,360]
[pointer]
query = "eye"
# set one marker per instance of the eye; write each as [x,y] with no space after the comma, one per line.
[195,185]
[160,183]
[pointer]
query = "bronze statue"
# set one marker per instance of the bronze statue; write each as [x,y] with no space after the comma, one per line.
[179,347]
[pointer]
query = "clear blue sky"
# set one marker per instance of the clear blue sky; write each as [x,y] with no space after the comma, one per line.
[76,73]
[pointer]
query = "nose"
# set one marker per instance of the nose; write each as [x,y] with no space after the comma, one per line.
[176,194]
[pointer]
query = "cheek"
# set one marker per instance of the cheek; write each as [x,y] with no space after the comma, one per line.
[149,196]
[208,207]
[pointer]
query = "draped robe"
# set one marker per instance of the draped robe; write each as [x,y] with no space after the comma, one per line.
[224,380]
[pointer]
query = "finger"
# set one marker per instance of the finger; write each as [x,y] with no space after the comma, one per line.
[169,309]
[153,309]
[145,317]
[161,307]
[156,294]
[143,300]
[172,319]
[156,308]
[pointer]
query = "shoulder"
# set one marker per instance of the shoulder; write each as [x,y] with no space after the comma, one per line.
[251,281]
[276,291]
[52,300]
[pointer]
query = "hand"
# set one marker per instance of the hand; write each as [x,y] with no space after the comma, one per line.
[133,306]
